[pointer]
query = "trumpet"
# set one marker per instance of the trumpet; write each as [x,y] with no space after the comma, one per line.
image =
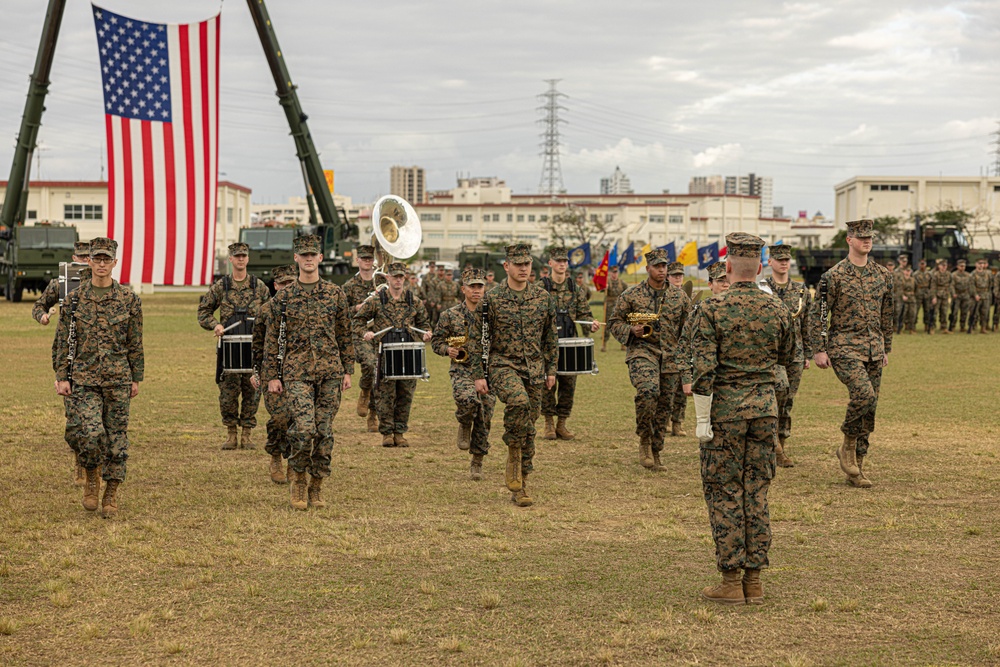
[646,320]
[459,342]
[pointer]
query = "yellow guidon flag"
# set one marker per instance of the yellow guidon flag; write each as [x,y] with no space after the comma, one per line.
[640,262]
[688,256]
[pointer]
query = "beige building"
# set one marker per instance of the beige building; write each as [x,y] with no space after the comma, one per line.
[296,211]
[482,210]
[408,183]
[85,205]
[901,196]
[815,232]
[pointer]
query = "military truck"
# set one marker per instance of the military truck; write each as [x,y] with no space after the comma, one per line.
[30,256]
[488,259]
[929,241]
[271,247]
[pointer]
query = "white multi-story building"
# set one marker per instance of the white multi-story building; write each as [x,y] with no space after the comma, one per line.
[707,185]
[616,184]
[296,211]
[750,185]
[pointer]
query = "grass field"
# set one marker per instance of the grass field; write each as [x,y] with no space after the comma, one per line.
[413,563]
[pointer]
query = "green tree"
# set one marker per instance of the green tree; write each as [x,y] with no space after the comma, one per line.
[573,226]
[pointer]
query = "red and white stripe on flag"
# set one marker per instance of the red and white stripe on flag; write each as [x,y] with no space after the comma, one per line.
[161,102]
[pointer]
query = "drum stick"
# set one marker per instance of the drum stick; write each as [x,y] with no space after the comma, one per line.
[379,333]
[588,323]
[419,331]
[232,326]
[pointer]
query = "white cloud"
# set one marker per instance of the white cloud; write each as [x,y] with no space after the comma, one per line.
[717,156]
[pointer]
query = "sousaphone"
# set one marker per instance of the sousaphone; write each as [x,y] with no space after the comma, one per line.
[397,233]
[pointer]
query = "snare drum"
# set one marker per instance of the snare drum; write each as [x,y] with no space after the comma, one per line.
[404,361]
[576,356]
[237,355]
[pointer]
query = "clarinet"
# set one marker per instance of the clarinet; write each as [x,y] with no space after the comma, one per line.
[280,357]
[823,287]
[486,336]
[71,344]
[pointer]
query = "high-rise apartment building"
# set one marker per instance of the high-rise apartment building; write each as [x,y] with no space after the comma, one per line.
[706,185]
[408,183]
[616,184]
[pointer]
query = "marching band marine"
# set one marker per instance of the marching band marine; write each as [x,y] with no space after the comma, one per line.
[237,296]
[740,337]
[473,411]
[99,365]
[309,357]
[432,292]
[413,285]
[277,405]
[50,295]
[451,292]
[961,297]
[797,299]
[649,320]
[922,279]
[907,287]
[675,276]
[518,358]
[612,291]
[357,289]
[940,294]
[491,283]
[996,300]
[855,296]
[899,304]
[394,308]
[981,284]
[583,286]
[571,304]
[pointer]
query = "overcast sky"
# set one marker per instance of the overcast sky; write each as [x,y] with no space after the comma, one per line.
[810,93]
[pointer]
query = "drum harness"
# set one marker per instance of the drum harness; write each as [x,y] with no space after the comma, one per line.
[564,323]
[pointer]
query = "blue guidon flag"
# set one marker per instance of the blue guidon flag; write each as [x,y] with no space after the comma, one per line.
[579,256]
[161,106]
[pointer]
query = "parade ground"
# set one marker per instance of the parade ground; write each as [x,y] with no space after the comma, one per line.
[412,563]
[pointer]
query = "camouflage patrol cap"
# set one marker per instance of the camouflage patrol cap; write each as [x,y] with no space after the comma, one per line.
[558,253]
[396,269]
[861,229]
[519,253]
[657,256]
[473,277]
[941,260]
[742,244]
[303,245]
[81,248]
[365,252]
[960,262]
[238,249]
[780,251]
[285,273]
[104,246]
[717,271]
[675,268]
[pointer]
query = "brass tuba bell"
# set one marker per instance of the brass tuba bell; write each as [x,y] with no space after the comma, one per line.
[646,320]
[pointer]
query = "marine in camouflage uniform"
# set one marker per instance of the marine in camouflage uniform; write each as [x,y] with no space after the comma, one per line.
[99,364]
[996,300]
[797,299]
[571,304]
[396,309]
[898,304]
[940,295]
[740,338]
[518,359]
[961,297]
[656,362]
[613,290]
[675,276]
[981,287]
[228,295]
[432,293]
[851,330]
[473,411]
[491,283]
[922,279]
[357,289]
[316,368]
[277,405]
[450,291]
[907,288]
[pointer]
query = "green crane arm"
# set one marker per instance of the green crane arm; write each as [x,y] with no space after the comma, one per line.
[305,149]
[15,202]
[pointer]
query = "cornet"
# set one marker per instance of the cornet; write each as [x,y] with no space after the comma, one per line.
[646,320]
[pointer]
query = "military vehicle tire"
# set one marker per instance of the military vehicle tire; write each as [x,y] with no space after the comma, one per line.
[14,290]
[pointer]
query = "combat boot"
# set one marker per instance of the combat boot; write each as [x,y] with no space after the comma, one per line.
[91,489]
[645,452]
[604,346]
[861,481]
[550,428]
[779,451]
[982,328]
[315,487]
[513,473]
[730,591]
[677,428]
[277,473]
[109,504]
[847,455]
[363,403]
[81,473]
[753,590]
[387,440]
[464,436]
[297,489]
[230,442]
[476,467]
[656,462]
[400,440]
[246,439]
[372,422]
[561,431]
[946,331]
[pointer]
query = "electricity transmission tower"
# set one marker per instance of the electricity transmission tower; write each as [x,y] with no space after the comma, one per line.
[552,180]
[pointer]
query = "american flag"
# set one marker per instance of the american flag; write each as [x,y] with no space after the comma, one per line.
[161,105]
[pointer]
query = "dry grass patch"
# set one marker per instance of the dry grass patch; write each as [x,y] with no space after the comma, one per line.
[8,626]
[400,636]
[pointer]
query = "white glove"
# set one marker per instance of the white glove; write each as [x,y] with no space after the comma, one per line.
[703,417]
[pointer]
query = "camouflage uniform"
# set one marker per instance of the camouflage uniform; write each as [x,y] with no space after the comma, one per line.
[250,294]
[432,296]
[108,359]
[679,402]
[996,300]
[319,352]
[922,280]
[611,293]
[357,290]
[981,287]
[961,304]
[491,287]
[449,294]
[571,304]
[393,397]
[859,303]
[522,351]
[740,337]
[276,404]
[656,363]
[907,288]
[940,290]
[797,299]
[471,408]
